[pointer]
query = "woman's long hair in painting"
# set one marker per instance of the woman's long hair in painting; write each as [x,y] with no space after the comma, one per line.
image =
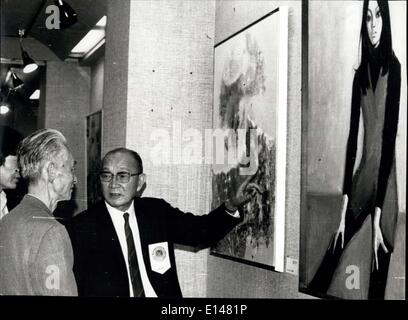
[384,47]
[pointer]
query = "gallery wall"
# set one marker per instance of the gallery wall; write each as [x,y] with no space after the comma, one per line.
[115,75]
[97,80]
[67,101]
[227,278]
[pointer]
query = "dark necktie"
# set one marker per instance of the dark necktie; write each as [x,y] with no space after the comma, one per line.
[132,260]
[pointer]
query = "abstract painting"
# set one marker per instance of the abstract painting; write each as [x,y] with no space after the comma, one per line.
[94,149]
[250,101]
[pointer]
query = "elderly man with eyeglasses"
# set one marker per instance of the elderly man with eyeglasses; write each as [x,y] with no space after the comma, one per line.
[124,245]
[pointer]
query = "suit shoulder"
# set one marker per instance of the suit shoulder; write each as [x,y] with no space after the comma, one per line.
[81,217]
[87,216]
[152,206]
[149,201]
[25,218]
[93,210]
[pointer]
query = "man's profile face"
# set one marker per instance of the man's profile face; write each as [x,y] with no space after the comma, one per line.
[65,179]
[119,194]
[9,173]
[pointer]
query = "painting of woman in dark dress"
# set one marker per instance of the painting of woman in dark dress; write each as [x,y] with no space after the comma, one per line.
[375,96]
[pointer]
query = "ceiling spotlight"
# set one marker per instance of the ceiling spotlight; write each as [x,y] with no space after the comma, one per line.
[67,15]
[29,63]
[4,109]
[17,82]
[4,102]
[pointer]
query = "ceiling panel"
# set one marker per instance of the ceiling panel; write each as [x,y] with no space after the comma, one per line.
[17,14]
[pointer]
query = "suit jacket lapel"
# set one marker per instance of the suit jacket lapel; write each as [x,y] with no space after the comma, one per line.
[152,230]
[107,230]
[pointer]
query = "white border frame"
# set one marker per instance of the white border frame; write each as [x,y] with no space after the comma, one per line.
[281,137]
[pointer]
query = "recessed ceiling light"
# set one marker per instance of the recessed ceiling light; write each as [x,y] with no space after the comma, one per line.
[91,39]
[102,22]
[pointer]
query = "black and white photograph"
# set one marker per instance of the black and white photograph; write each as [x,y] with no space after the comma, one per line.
[227,151]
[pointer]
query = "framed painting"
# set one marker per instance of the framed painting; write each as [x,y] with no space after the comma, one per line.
[94,149]
[250,103]
[352,242]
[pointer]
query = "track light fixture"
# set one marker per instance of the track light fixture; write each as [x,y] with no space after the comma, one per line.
[67,15]
[4,108]
[29,63]
[17,82]
[4,105]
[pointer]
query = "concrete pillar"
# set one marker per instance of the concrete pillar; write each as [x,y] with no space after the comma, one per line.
[67,96]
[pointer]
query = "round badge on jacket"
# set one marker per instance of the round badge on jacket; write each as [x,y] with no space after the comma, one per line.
[159,253]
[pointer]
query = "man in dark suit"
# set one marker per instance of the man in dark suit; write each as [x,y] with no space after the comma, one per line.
[124,245]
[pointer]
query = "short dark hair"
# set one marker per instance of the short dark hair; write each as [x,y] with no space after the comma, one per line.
[132,153]
[9,140]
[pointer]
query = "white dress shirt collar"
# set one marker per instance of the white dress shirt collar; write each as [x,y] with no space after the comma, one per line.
[119,223]
[3,204]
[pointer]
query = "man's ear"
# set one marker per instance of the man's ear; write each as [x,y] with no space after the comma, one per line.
[141,181]
[49,168]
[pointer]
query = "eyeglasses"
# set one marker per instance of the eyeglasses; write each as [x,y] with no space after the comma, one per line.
[121,177]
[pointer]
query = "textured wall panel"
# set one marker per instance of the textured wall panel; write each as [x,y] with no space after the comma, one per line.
[97,79]
[170,89]
[115,75]
[66,106]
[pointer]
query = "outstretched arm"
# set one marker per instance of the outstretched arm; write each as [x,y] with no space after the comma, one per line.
[203,231]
